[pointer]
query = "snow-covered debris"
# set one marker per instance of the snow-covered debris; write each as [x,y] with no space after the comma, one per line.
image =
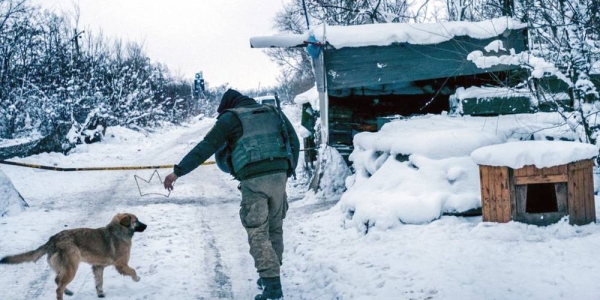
[421,136]
[490,92]
[311,96]
[414,170]
[481,94]
[539,66]
[542,154]
[11,202]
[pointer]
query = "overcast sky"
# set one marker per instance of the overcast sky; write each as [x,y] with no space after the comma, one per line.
[190,35]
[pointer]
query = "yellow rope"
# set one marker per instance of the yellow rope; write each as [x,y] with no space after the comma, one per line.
[12,163]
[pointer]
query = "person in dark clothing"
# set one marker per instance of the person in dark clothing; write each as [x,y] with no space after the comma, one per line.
[251,133]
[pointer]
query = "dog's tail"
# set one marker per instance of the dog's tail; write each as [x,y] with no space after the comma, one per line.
[31,256]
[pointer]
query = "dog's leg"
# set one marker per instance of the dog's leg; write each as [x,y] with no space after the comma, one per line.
[127,271]
[62,279]
[98,276]
[65,266]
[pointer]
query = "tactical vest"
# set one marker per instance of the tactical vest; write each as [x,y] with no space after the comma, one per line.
[261,138]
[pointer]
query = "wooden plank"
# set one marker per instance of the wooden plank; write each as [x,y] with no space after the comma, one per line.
[504,203]
[582,164]
[521,195]
[486,209]
[562,197]
[576,211]
[520,172]
[588,192]
[533,179]
[580,176]
[494,194]
[552,171]
[499,185]
[563,169]
[531,170]
[513,194]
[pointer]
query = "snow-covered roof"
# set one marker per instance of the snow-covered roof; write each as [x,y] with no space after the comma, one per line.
[389,33]
[541,154]
[311,96]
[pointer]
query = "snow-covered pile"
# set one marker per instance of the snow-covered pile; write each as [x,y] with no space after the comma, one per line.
[11,202]
[311,96]
[413,170]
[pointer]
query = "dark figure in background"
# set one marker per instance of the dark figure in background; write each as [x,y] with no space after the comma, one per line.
[95,130]
[249,137]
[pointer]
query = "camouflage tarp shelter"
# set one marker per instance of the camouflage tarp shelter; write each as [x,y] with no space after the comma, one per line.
[367,73]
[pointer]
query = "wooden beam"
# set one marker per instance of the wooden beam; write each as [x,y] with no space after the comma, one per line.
[536,179]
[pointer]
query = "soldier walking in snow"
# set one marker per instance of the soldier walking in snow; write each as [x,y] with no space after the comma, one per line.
[250,143]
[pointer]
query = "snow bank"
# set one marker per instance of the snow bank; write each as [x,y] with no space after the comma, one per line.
[334,172]
[414,170]
[11,202]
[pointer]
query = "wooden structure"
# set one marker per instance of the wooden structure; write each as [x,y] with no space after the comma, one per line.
[538,196]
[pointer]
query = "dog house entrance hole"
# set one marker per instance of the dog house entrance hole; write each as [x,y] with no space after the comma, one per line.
[541,203]
[541,198]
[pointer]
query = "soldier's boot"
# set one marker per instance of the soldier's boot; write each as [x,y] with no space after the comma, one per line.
[271,289]
[259,284]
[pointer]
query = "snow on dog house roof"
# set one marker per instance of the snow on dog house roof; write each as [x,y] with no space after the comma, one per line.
[542,154]
[395,53]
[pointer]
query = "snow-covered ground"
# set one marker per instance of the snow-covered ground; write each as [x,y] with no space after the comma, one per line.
[195,246]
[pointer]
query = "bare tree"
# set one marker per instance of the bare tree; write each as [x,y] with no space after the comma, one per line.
[295,64]
[565,33]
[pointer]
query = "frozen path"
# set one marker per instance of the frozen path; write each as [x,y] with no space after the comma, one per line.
[194,247]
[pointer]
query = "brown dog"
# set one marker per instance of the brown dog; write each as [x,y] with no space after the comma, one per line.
[99,247]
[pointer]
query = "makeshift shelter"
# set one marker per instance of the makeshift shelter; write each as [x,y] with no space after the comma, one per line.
[367,73]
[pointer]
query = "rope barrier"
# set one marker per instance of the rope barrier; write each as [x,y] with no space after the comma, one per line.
[12,163]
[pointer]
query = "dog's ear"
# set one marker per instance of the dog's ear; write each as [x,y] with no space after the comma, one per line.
[126,221]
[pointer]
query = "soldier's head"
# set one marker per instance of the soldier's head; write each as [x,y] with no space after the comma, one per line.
[233,98]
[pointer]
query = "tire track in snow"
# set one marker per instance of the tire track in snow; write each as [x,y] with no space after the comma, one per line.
[220,285]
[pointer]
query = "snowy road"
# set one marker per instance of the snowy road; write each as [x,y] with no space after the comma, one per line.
[194,247]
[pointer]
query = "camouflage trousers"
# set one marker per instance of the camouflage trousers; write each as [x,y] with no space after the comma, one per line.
[263,208]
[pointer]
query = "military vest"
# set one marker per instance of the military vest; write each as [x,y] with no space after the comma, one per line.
[261,137]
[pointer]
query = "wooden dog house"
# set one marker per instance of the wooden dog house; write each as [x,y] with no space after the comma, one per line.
[537,193]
